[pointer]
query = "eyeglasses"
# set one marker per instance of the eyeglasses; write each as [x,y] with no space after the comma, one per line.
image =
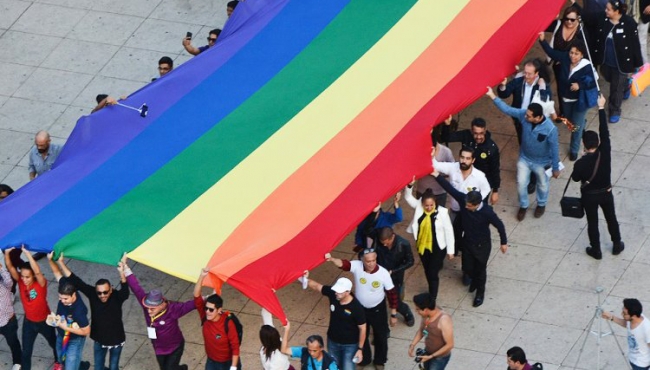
[209,309]
[212,39]
[103,292]
[570,19]
[369,250]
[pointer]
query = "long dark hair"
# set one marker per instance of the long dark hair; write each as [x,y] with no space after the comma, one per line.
[270,338]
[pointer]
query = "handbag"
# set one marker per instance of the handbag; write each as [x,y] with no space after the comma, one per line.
[572,206]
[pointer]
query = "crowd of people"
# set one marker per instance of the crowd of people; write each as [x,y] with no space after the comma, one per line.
[452,215]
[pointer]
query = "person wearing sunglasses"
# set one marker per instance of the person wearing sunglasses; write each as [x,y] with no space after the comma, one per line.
[221,342]
[105,313]
[161,317]
[565,31]
[212,40]
[71,321]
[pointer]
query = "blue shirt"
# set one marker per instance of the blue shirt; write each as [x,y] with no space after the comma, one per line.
[296,352]
[77,312]
[539,143]
[39,165]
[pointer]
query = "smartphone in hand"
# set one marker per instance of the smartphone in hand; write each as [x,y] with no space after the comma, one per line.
[188,35]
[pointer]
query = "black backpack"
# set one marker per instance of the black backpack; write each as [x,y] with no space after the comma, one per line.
[238,325]
[538,366]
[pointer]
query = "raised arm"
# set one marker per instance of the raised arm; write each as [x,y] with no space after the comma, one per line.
[460,197]
[64,269]
[55,268]
[285,340]
[35,267]
[187,44]
[10,266]
[199,283]
[336,261]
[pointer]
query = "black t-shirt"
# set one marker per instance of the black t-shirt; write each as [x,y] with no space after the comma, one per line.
[344,319]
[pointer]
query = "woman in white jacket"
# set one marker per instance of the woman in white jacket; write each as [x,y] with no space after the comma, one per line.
[433,233]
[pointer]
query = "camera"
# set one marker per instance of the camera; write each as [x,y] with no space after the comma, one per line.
[419,353]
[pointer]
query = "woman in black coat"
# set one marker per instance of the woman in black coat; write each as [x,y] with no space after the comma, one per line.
[616,49]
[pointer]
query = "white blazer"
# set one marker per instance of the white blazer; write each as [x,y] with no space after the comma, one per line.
[442,224]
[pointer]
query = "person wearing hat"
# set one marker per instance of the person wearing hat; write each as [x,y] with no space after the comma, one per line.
[221,342]
[106,303]
[346,332]
[161,317]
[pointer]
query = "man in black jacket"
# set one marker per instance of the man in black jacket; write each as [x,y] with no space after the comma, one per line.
[486,151]
[598,191]
[476,218]
[395,255]
[107,329]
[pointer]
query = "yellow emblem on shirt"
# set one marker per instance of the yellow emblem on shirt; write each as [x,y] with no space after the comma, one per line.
[363,280]
[376,284]
[484,155]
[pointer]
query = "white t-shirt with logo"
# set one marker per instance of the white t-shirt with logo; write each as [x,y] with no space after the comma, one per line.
[638,340]
[370,289]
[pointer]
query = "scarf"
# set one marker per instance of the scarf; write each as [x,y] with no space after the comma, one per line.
[425,234]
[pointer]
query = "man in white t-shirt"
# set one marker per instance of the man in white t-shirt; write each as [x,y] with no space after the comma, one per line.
[638,332]
[372,285]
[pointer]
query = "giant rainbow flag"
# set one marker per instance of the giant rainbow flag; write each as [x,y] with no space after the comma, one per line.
[261,154]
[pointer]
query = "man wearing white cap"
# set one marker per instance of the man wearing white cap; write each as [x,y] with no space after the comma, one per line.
[347,329]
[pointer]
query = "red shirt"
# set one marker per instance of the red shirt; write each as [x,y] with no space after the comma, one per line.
[219,346]
[34,301]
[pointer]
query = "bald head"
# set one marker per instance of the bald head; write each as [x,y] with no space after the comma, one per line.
[42,141]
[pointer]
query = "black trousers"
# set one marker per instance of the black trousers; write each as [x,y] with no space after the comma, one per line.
[402,308]
[475,259]
[604,200]
[171,361]
[377,319]
[617,86]
[432,263]
[10,332]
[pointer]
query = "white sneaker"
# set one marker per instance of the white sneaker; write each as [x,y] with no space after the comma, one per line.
[16,367]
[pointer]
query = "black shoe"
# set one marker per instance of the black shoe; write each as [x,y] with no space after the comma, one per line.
[618,248]
[466,280]
[573,156]
[593,252]
[531,187]
[472,288]
[521,214]
[478,300]
[409,319]
[539,211]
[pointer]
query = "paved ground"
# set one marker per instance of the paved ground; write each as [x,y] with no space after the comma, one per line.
[56,55]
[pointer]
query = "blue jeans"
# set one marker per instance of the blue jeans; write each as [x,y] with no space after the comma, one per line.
[100,357]
[577,117]
[30,331]
[214,365]
[438,363]
[73,353]
[343,353]
[524,168]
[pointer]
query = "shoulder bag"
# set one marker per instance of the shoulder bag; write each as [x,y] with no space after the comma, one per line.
[572,206]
